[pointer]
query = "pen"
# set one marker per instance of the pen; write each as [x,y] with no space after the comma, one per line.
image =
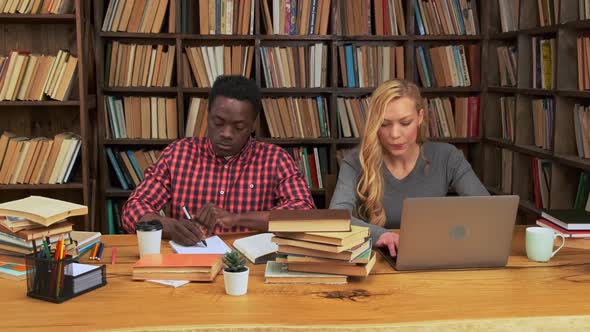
[113,256]
[188,216]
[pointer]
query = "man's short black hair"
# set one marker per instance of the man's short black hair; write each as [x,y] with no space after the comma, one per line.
[236,87]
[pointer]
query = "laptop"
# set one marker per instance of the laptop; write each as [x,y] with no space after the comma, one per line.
[456,232]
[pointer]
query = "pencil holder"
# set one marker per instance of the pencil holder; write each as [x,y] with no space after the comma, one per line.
[60,280]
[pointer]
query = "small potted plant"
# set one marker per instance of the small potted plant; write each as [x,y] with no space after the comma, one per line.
[235,273]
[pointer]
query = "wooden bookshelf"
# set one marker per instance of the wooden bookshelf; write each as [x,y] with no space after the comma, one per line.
[47,34]
[333,89]
[566,166]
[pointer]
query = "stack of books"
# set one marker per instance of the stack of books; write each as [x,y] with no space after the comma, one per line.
[320,241]
[26,223]
[192,267]
[571,223]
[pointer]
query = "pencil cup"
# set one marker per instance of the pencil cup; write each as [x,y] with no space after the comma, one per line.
[149,236]
[55,280]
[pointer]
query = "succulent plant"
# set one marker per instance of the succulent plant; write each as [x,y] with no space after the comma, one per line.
[234,261]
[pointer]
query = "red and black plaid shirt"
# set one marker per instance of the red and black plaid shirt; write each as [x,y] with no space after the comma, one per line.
[261,177]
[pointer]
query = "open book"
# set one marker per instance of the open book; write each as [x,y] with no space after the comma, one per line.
[42,210]
[257,248]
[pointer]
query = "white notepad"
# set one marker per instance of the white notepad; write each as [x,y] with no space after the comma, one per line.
[215,245]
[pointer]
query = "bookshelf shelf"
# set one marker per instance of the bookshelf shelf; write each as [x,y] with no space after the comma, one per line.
[371,38]
[450,90]
[295,37]
[536,92]
[271,91]
[456,140]
[348,140]
[501,89]
[504,35]
[583,24]
[296,141]
[574,161]
[138,90]
[128,35]
[138,141]
[38,18]
[64,186]
[540,30]
[118,193]
[194,37]
[574,93]
[447,37]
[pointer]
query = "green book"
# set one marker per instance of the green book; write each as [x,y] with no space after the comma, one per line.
[583,191]
[570,219]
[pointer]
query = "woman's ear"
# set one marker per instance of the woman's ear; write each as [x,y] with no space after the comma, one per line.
[421,116]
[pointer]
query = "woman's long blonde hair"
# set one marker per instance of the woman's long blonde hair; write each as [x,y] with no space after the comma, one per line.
[370,185]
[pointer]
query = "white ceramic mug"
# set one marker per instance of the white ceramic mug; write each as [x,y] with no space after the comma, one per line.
[149,236]
[539,243]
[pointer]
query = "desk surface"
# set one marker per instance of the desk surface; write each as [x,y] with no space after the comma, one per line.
[523,293]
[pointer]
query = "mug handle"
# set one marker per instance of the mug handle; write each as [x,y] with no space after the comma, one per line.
[562,243]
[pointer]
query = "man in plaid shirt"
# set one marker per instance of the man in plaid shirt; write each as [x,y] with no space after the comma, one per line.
[227,180]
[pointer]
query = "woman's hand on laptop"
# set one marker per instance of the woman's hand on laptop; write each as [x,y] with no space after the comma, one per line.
[389,240]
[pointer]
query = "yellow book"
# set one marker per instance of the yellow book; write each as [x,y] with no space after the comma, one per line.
[42,210]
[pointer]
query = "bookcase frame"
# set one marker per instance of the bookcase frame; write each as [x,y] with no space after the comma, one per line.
[258,39]
[566,165]
[46,34]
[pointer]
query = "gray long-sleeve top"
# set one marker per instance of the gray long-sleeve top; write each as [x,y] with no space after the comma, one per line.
[441,166]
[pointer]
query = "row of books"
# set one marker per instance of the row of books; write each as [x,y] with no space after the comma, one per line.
[351,114]
[541,182]
[312,163]
[296,17]
[582,130]
[128,165]
[453,117]
[368,66]
[507,65]
[584,9]
[141,117]
[376,17]
[548,12]
[38,160]
[209,62]
[26,76]
[583,51]
[295,67]
[226,17]
[37,6]
[145,16]
[138,65]
[196,122]
[297,117]
[509,10]
[325,244]
[543,122]
[447,17]
[543,51]
[508,116]
[113,213]
[448,66]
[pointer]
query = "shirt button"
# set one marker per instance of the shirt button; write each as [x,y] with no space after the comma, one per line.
[251,186]
[222,192]
[226,166]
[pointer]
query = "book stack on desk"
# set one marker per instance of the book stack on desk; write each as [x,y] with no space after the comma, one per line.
[322,241]
[571,223]
[191,267]
[26,223]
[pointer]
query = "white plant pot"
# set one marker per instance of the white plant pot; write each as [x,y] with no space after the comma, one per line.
[236,283]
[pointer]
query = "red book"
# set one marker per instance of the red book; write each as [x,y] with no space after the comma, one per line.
[473,117]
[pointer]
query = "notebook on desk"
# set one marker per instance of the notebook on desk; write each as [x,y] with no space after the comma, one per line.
[456,232]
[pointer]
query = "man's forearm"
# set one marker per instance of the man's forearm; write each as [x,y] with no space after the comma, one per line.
[254,220]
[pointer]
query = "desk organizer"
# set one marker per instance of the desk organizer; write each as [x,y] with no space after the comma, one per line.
[52,280]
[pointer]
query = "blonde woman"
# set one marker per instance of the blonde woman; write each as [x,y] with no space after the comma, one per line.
[394,162]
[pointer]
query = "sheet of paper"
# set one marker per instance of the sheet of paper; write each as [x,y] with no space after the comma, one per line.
[172,283]
[215,245]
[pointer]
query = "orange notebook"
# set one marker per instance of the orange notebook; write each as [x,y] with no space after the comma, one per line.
[193,267]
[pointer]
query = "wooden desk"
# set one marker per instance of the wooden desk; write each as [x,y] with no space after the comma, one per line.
[525,294]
